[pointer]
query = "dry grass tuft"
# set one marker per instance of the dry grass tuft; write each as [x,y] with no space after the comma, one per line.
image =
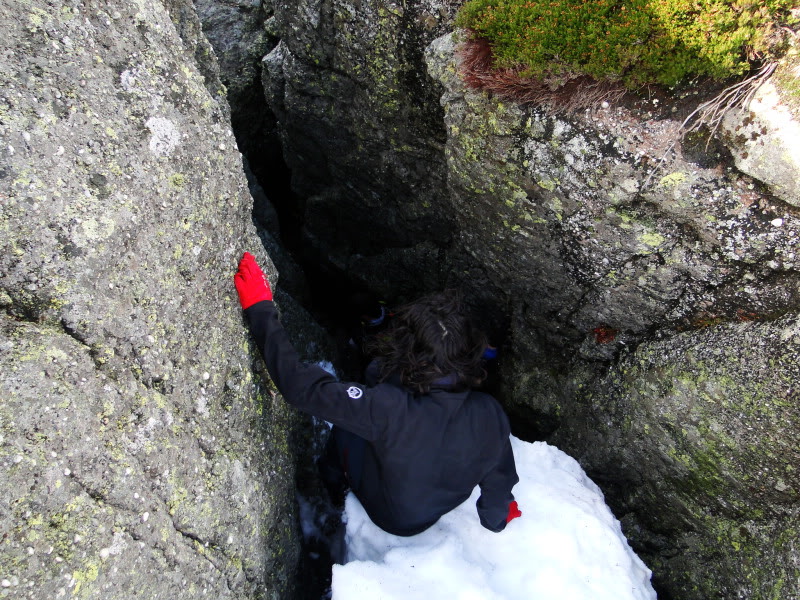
[562,96]
[710,114]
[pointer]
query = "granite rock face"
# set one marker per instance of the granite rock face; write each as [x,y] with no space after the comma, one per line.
[569,208]
[653,320]
[240,37]
[142,454]
[763,141]
[360,125]
[696,441]
[645,316]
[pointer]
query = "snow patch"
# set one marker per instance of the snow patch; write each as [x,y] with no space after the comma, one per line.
[566,546]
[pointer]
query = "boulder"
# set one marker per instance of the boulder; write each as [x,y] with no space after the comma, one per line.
[696,440]
[143,453]
[763,138]
[653,315]
[360,125]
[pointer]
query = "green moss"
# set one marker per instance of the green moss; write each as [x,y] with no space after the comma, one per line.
[638,42]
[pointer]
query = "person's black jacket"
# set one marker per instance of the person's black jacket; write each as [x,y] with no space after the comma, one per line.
[425,454]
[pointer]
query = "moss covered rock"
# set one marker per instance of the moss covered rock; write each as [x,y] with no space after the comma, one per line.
[653,328]
[697,440]
[569,221]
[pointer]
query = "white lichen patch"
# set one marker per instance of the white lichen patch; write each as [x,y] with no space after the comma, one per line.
[128,79]
[164,137]
[95,229]
[118,544]
[765,142]
[201,406]
[791,333]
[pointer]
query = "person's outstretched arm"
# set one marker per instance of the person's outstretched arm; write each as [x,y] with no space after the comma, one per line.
[496,505]
[306,386]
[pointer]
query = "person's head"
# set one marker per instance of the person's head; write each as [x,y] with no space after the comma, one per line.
[432,340]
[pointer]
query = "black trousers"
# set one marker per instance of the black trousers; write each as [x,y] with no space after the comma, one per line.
[342,464]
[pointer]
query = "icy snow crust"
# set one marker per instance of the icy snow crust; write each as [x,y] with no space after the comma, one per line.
[566,546]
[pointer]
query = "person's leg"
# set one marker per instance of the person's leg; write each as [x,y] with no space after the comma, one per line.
[341,464]
[331,471]
[350,450]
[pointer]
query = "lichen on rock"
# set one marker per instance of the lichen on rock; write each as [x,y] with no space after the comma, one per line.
[640,289]
[643,332]
[763,138]
[142,454]
[702,428]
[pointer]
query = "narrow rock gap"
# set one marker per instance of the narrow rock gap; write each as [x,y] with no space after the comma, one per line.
[325,292]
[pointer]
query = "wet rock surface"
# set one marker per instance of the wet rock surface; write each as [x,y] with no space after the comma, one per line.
[142,453]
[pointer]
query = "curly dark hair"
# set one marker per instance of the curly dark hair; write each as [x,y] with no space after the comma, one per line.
[432,339]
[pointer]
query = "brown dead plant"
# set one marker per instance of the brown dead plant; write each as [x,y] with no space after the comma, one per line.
[565,95]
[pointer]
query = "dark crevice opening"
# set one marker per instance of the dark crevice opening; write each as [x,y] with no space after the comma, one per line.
[330,290]
[324,292]
[326,295]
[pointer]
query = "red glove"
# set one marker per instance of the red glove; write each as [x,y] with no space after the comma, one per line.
[251,283]
[513,512]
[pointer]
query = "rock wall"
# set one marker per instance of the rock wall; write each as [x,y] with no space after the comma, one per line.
[241,34]
[653,325]
[647,319]
[361,128]
[694,439]
[142,454]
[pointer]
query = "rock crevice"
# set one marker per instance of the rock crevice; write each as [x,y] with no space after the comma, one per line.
[584,262]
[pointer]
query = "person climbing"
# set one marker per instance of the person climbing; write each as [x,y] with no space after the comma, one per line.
[414,441]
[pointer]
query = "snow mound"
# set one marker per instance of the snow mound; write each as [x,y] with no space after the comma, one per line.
[566,546]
